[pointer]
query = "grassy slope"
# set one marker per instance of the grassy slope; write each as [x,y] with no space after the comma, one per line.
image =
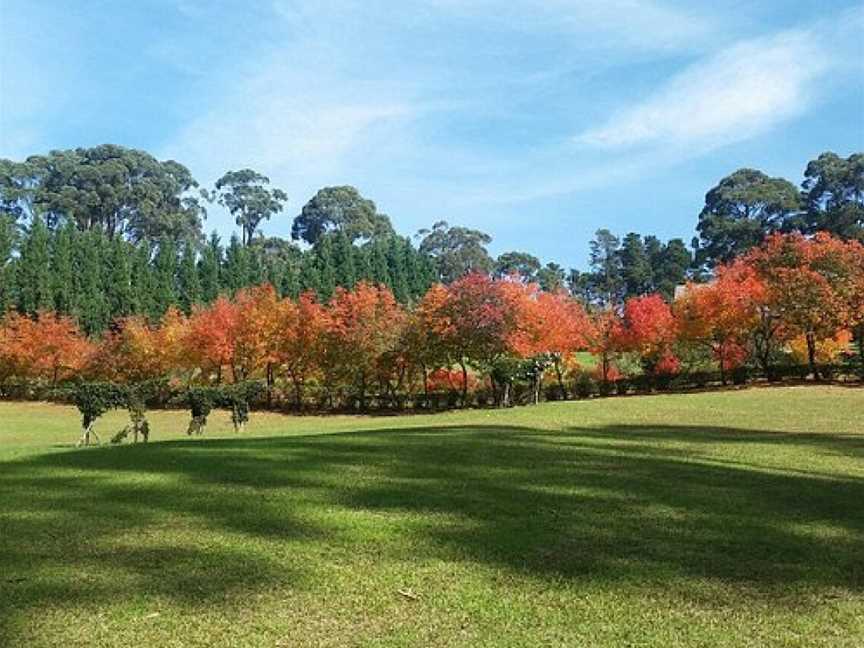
[706,519]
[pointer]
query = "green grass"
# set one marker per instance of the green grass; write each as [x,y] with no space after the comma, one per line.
[716,519]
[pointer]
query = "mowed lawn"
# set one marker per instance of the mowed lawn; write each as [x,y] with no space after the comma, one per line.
[717,519]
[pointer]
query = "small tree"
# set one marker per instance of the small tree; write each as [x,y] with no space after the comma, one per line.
[237,398]
[93,400]
[201,401]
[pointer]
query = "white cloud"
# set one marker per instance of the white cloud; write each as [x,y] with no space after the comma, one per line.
[735,94]
[604,24]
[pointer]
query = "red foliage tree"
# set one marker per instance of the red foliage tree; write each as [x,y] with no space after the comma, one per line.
[211,338]
[472,320]
[649,329]
[365,324]
[808,283]
[723,314]
[300,341]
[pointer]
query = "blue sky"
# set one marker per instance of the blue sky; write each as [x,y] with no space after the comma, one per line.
[538,121]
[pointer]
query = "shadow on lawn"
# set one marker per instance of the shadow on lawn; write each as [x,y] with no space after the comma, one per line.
[87,526]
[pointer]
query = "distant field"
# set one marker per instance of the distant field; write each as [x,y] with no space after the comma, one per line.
[719,519]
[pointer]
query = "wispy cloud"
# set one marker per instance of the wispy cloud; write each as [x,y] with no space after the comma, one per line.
[735,94]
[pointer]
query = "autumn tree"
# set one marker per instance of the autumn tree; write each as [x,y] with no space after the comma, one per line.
[472,324]
[364,325]
[649,329]
[549,328]
[210,341]
[47,347]
[722,315]
[604,341]
[807,281]
[299,341]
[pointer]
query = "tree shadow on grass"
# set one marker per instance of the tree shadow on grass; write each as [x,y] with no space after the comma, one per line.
[609,505]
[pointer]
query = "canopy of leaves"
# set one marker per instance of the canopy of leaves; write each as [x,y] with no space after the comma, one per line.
[834,195]
[740,212]
[457,251]
[245,195]
[340,209]
[117,190]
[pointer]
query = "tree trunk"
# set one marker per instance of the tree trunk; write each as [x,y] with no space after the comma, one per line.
[464,383]
[363,391]
[860,336]
[559,373]
[298,394]
[270,381]
[811,355]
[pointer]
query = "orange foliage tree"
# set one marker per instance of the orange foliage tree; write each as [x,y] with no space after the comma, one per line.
[723,314]
[649,329]
[300,338]
[549,328]
[471,321]
[365,324]
[48,347]
[135,351]
[808,281]
[210,341]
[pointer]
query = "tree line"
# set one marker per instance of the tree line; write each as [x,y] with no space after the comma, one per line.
[105,232]
[480,339]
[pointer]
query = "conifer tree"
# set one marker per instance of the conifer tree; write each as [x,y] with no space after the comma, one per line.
[143,288]
[362,267]
[165,277]
[236,272]
[90,306]
[188,282]
[308,278]
[378,262]
[289,282]
[34,270]
[343,261]
[209,269]
[119,292]
[7,267]
[63,267]
[324,265]
[256,267]
[396,264]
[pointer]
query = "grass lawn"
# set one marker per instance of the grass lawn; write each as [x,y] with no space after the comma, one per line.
[716,519]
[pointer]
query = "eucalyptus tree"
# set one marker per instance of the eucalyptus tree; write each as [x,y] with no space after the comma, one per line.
[246,195]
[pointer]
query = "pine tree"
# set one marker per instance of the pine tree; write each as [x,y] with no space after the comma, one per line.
[34,270]
[256,267]
[396,266]
[426,275]
[165,276]
[324,265]
[188,282]
[378,261]
[119,292]
[308,278]
[63,267]
[236,271]
[7,267]
[90,305]
[362,266]
[343,261]
[209,269]
[289,282]
[143,287]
